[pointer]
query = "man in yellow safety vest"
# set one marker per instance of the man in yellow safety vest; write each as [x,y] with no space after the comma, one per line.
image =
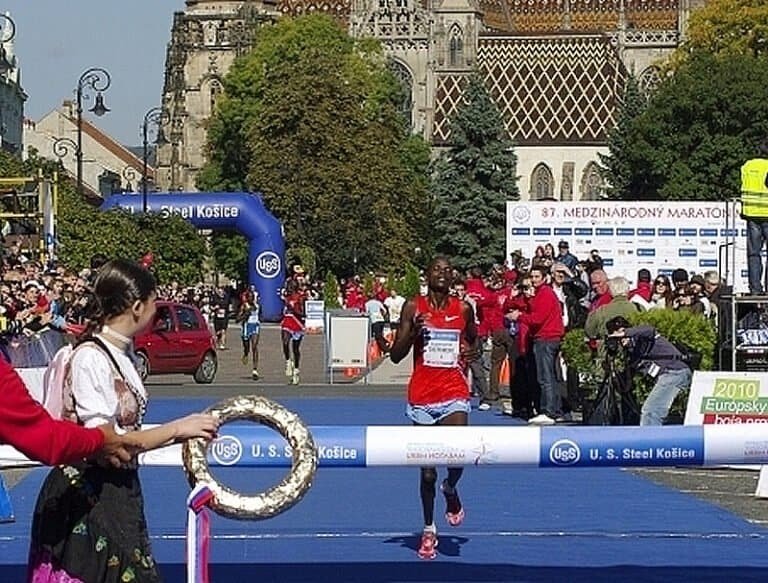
[754,209]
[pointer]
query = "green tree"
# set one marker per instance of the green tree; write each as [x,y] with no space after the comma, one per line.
[83,230]
[409,285]
[699,127]
[726,28]
[472,183]
[614,166]
[230,255]
[179,252]
[331,292]
[310,119]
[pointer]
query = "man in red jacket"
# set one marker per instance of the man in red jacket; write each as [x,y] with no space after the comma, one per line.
[545,321]
[28,427]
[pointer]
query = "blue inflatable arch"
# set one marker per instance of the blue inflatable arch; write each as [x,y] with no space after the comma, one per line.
[240,211]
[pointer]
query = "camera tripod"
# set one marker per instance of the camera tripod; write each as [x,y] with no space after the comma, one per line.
[615,403]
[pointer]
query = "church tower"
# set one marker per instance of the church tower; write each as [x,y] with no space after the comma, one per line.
[455,42]
[205,40]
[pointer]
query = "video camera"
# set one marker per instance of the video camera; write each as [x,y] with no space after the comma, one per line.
[613,345]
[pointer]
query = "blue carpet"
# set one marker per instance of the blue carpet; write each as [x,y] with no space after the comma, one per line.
[363,524]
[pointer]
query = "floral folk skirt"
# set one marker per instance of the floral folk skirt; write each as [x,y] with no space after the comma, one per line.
[89,527]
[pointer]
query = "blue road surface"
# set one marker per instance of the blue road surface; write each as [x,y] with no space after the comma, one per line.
[355,524]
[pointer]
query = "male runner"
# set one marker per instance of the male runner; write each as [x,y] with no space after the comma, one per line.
[441,329]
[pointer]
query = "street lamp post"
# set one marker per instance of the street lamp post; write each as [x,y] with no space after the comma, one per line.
[156,117]
[98,80]
[63,147]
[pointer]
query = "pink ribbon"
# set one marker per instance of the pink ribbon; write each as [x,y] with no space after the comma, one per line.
[198,534]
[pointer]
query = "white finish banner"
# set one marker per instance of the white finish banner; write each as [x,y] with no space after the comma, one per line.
[630,235]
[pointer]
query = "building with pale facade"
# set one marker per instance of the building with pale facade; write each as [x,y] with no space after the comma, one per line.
[108,166]
[556,70]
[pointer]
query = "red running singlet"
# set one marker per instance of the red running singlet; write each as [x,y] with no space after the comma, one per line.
[438,372]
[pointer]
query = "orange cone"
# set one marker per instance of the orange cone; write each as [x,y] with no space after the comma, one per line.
[373,351]
[504,372]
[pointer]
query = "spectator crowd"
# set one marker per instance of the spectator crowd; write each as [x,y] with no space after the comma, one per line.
[523,309]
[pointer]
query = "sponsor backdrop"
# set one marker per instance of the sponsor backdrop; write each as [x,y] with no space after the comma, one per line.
[732,399]
[660,236]
[727,398]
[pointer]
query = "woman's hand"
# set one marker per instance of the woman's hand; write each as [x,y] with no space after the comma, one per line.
[196,425]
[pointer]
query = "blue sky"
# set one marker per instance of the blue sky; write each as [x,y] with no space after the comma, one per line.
[57,40]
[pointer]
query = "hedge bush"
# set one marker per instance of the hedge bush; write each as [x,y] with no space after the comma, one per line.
[684,327]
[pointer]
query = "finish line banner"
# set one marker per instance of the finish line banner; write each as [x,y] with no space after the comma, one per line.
[629,235]
[548,447]
[251,445]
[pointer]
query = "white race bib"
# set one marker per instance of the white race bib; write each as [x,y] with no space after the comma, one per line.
[442,349]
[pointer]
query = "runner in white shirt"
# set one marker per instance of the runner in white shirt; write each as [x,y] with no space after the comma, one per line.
[394,304]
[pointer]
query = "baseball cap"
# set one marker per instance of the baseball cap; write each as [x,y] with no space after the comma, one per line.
[616,323]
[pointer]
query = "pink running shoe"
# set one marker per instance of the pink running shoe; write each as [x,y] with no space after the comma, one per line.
[428,545]
[454,512]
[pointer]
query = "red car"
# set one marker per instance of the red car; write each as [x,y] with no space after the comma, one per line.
[178,341]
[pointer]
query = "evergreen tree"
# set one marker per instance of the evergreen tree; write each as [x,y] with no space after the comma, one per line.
[615,167]
[472,183]
[410,284]
[331,292]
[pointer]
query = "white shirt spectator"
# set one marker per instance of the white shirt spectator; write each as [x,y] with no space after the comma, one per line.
[394,305]
[375,310]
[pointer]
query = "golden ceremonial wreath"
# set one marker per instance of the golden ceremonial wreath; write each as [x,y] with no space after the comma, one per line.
[279,498]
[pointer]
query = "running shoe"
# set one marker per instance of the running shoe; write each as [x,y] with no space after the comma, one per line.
[427,550]
[295,377]
[454,511]
[255,374]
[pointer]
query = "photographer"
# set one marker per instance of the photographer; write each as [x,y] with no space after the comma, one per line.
[655,356]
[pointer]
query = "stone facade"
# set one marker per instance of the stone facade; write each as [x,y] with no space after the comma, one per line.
[555,68]
[107,165]
[12,96]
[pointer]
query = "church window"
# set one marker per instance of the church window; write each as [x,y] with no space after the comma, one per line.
[542,182]
[215,91]
[405,79]
[649,80]
[456,47]
[592,183]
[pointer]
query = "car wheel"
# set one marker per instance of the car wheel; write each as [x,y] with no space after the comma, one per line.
[142,365]
[206,372]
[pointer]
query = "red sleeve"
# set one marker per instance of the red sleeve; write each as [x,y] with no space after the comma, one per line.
[26,425]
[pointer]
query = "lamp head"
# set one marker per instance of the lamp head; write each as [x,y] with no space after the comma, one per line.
[99,108]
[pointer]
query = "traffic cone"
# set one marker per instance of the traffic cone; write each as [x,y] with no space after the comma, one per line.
[373,351]
[504,372]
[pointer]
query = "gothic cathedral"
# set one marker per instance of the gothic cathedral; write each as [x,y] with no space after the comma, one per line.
[555,69]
